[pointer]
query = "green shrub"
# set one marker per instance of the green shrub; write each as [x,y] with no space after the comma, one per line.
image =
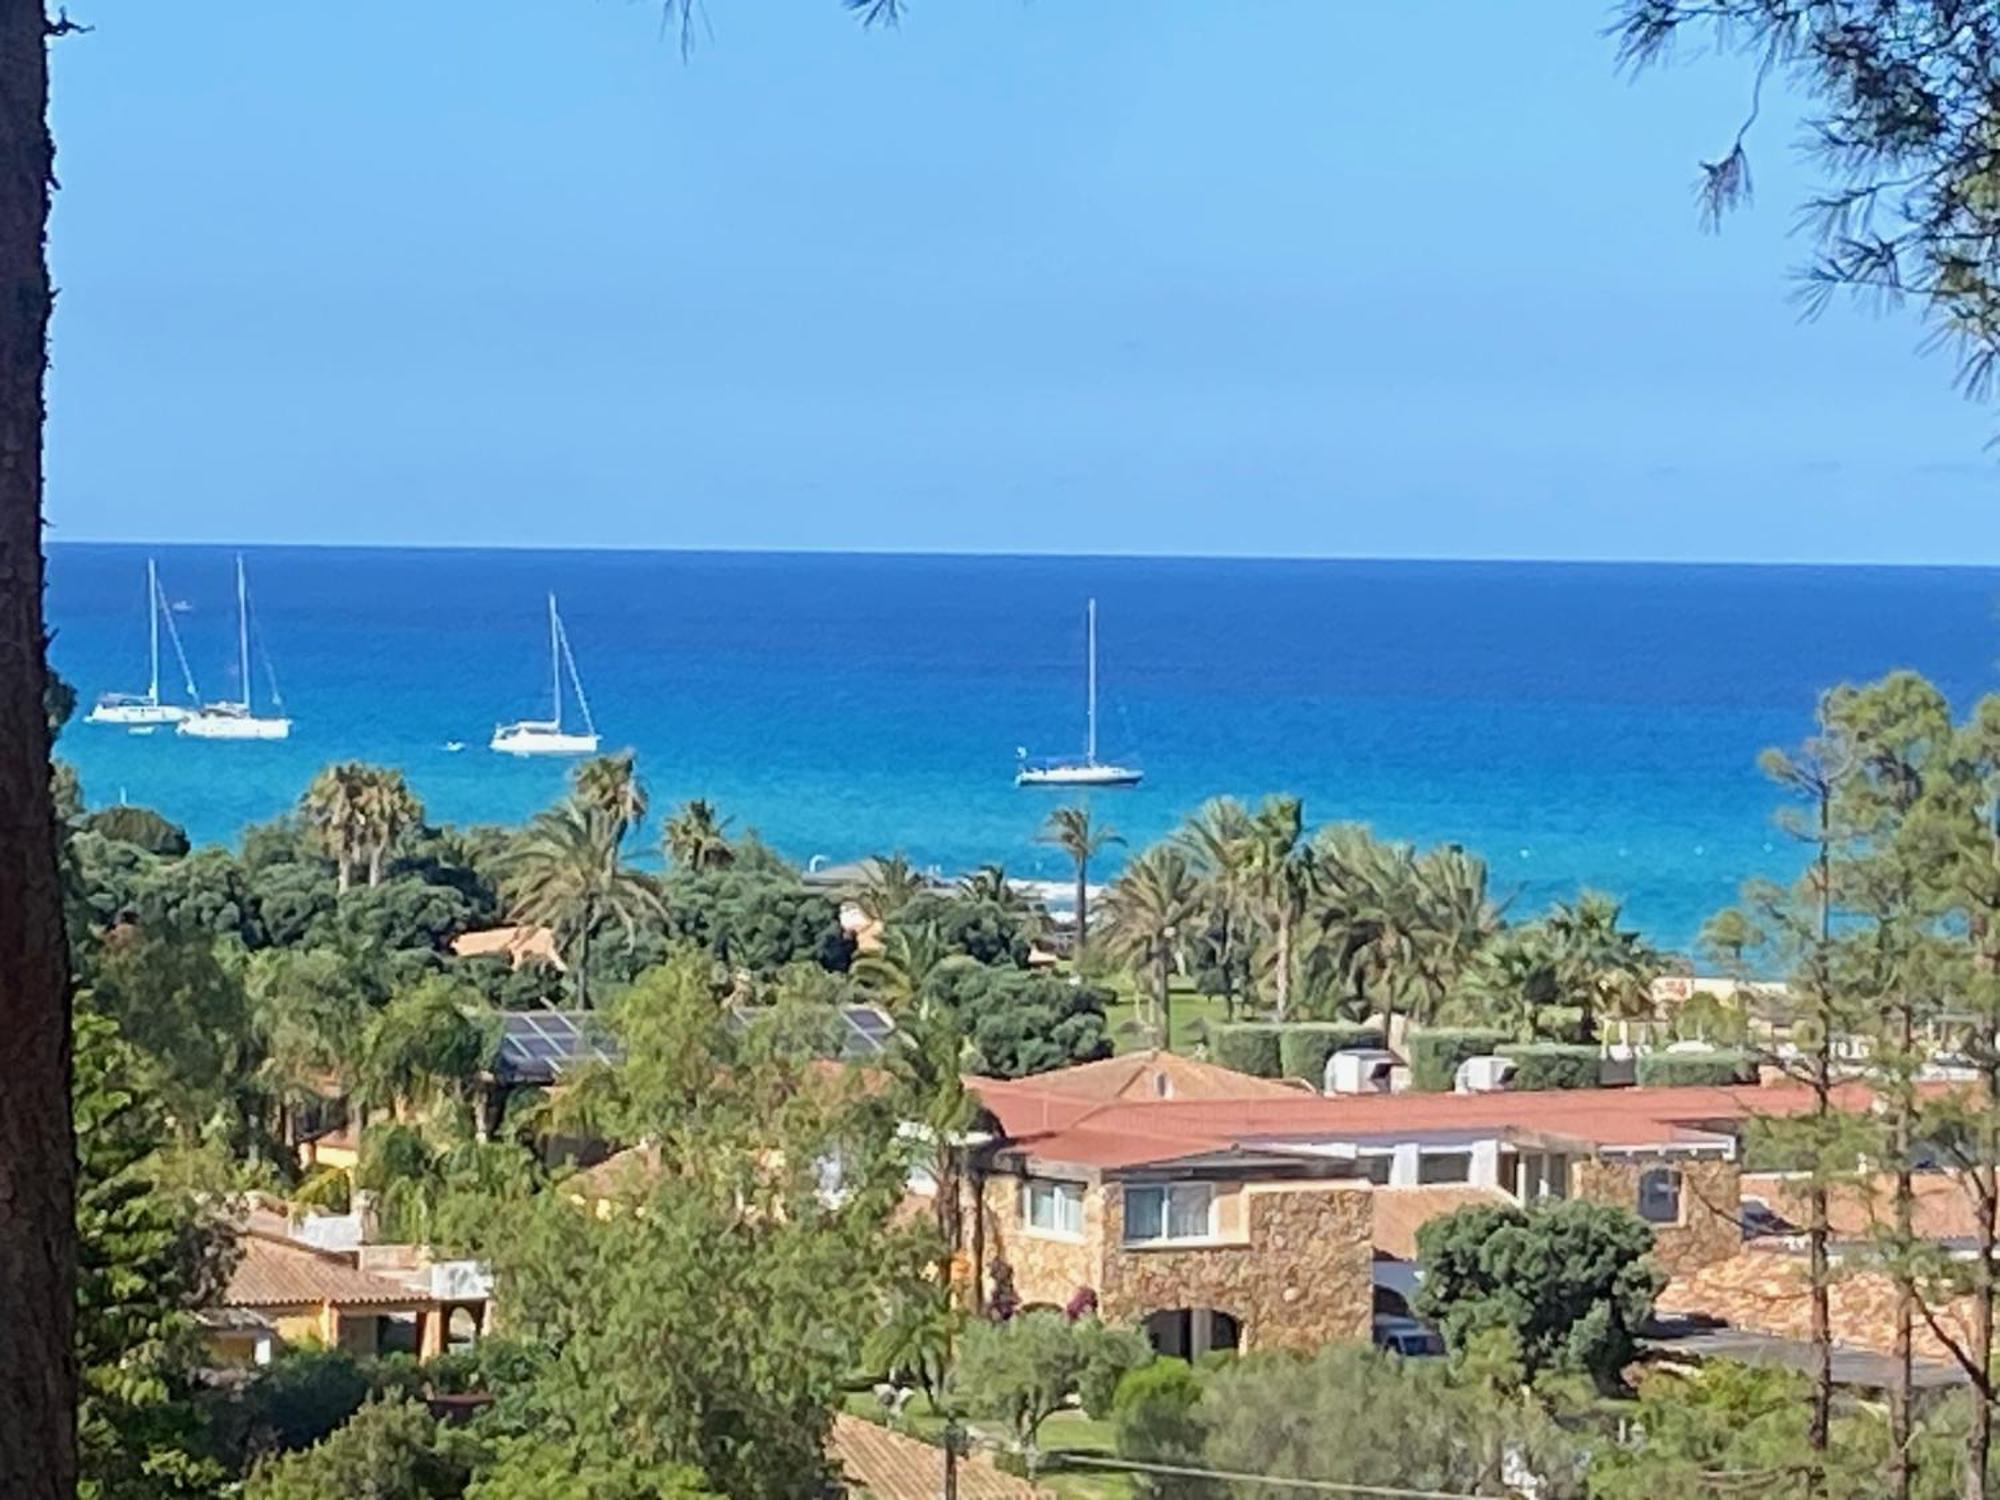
[1551,1065]
[1303,1049]
[1435,1055]
[1677,1069]
[1248,1048]
[1152,1414]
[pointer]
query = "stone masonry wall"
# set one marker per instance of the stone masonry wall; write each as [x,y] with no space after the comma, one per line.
[1302,1274]
[1711,1200]
[1046,1268]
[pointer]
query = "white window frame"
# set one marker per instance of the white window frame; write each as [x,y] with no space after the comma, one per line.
[1679,1180]
[1064,1203]
[1168,1192]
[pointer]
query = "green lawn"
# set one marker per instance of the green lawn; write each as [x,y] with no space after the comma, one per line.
[1066,1432]
[1193,1012]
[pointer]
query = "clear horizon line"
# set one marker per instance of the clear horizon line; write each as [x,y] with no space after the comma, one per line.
[1522,560]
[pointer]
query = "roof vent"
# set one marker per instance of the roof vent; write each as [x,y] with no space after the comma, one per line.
[1163,1087]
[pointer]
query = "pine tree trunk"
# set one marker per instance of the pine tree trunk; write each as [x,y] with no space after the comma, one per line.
[37,1151]
[1820,1426]
[1900,1414]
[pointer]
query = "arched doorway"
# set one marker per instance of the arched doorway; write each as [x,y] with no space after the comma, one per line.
[1390,1303]
[1190,1332]
[461,1328]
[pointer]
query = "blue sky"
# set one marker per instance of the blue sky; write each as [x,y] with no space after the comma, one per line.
[1288,277]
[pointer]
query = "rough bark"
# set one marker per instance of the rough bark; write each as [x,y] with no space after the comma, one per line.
[1082,907]
[1818,1229]
[37,1152]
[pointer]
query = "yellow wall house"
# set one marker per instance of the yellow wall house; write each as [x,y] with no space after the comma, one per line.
[283,1291]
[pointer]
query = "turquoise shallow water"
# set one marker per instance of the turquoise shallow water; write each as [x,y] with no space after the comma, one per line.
[1580,725]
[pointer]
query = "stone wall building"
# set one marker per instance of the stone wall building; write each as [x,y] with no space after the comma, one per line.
[1223,1211]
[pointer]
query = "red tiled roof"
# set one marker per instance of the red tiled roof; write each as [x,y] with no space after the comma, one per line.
[1154,1076]
[277,1273]
[1051,1121]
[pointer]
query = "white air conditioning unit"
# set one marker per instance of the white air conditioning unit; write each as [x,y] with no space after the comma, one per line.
[1484,1075]
[1365,1070]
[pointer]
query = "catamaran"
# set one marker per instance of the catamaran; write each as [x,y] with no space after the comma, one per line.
[1090,771]
[144,711]
[547,736]
[239,720]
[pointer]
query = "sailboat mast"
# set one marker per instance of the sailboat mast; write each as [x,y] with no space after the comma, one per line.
[1090,680]
[243,632]
[153,632]
[555,659]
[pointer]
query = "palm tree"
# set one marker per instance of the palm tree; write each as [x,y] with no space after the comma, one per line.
[889,884]
[894,974]
[1217,843]
[333,809]
[697,839]
[1071,830]
[1604,968]
[1149,905]
[566,875]
[1280,870]
[609,786]
[388,809]
[1458,920]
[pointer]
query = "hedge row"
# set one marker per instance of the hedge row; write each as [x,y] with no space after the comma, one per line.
[1299,1050]
[1553,1065]
[1435,1055]
[1672,1069]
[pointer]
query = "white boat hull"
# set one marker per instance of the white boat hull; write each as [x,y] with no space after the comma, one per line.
[529,739]
[209,725]
[134,714]
[1077,776]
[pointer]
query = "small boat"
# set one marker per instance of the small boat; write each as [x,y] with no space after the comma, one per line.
[238,720]
[144,711]
[1089,771]
[547,736]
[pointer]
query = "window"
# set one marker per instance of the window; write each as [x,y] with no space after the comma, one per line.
[1376,1167]
[1444,1166]
[1660,1195]
[1177,1211]
[1052,1207]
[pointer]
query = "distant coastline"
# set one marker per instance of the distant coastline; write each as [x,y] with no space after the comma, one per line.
[1581,725]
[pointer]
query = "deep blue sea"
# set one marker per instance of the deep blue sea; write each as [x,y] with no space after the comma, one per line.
[1579,725]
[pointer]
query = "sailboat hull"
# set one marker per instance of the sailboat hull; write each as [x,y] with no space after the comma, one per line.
[1077,776]
[540,739]
[220,724]
[131,715]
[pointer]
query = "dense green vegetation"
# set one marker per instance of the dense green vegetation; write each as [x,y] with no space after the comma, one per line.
[227,997]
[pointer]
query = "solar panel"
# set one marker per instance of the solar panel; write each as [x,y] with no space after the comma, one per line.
[540,1046]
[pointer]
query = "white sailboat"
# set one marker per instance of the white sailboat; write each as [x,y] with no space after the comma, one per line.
[238,720]
[1090,771]
[144,711]
[547,736]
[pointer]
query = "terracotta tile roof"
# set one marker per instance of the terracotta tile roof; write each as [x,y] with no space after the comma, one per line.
[892,1466]
[1050,1118]
[1941,1209]
[1401,1211]
[278,1273]
[634,1170]
[1155,1077]
[519,945]
[1764,1288]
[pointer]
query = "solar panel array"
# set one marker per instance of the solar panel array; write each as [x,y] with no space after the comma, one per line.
[868,1030]
[863,1030]
[540,1046]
